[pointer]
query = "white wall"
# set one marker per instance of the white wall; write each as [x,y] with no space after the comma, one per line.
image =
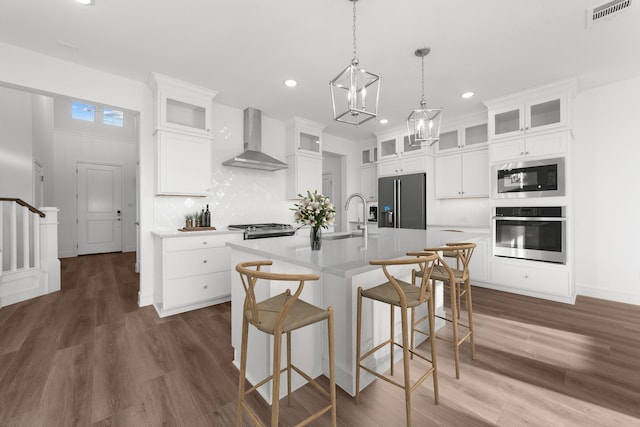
[607,191]
[16,145]
[350,174]
[43,143]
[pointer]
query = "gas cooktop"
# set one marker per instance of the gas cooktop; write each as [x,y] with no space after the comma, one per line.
[258,231]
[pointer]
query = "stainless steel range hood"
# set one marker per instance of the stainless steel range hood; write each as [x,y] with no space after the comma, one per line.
[253,157]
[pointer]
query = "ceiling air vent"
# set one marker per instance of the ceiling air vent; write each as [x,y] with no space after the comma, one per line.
[608,10]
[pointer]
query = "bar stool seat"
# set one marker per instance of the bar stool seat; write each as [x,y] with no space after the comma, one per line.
[398,293]
[278,315]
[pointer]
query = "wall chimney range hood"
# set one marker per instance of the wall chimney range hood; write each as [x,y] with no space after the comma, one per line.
[253,157]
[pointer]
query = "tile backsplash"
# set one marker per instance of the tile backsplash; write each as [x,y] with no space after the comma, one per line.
[239,196]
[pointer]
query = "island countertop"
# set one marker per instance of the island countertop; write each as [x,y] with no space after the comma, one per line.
[350,256]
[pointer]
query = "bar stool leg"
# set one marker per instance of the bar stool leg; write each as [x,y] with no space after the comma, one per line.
[243,368]
[392,337]
[358,333]
[405,357]
[413,333]
[289,369]
[432,338]
[332,370]
[470,316]
[454,321]
[275,393]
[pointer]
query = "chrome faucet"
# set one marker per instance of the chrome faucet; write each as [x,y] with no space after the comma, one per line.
[364,213]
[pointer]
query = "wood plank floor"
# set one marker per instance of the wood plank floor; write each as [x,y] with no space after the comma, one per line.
[88,356]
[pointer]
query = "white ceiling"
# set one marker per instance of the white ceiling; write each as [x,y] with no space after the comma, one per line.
[244,49]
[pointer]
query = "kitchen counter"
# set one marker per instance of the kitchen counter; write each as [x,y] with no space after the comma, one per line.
[343,265]
[177,233]
[350,256]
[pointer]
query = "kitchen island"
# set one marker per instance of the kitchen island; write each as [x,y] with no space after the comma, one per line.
[343,265]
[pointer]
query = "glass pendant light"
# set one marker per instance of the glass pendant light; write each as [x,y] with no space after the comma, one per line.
[355,91]
[423,124]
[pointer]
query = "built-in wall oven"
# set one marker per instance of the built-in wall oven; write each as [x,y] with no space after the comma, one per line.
[534,178]
[531,233]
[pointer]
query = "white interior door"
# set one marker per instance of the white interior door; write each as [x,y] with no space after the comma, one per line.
[99,208]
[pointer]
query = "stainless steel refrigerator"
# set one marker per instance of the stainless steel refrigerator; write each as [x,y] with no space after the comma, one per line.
[402,201]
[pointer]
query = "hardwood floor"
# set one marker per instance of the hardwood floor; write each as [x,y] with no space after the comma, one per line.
[87,355]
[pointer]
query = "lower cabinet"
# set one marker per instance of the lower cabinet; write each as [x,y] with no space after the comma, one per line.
[524,276]
[193,272]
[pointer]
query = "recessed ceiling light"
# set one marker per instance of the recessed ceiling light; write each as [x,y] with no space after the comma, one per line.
[466,95]
[384,121]
[290,83]
[85,2]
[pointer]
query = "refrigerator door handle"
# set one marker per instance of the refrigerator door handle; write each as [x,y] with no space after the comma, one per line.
[395,203]
[398,200]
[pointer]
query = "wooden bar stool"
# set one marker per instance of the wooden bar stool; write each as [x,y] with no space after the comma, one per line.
[460,284]
[276,316]
[398,293]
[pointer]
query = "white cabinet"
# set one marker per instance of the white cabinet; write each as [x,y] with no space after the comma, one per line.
[545,145]
[397,145]
[181,106]
[462,175]
[369,182]
[369,156]
[183,164]
[536,110]
[467,133]
[304,136]
[304,157]
[192,272]
[525,276]
[402,166]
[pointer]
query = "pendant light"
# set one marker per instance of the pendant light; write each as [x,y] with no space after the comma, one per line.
[423,124]
[355,91]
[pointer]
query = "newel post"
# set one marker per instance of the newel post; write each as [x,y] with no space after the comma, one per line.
[49,261]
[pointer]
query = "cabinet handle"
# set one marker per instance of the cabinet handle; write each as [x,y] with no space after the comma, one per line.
[526,152]
[204,262]
[204,243]
[522,153]
[526,276]
[205,286]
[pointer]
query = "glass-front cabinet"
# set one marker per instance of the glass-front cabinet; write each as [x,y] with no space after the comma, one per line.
[397,145]
[538,110]
[181,106]
[369,155]
[304,136]
[466,132]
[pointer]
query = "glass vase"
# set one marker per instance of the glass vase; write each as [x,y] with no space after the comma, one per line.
[315,238]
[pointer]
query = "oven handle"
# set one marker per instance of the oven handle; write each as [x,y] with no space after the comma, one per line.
[529,218]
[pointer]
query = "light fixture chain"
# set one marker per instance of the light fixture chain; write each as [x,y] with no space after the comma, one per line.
[354,28]
[423,78]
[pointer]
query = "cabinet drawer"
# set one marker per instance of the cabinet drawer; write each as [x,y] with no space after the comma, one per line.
[198,242]
[545,280]
[197,261]
[189,290]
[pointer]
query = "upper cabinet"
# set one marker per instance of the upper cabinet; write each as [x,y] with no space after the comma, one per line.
[183,164]
[181,106]
[304,156]
[541,109]
[369,156]
[464,133]
[304,136]
[183,136]
[397,145]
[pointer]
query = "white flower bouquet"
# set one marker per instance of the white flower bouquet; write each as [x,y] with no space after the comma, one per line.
[314,210]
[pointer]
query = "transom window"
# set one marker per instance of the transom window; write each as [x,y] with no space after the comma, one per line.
[82,111]
[89,113]
[113,117]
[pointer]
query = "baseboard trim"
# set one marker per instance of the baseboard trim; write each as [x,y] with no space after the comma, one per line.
[608,294]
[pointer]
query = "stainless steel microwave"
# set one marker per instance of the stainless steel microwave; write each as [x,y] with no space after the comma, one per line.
[534,178]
